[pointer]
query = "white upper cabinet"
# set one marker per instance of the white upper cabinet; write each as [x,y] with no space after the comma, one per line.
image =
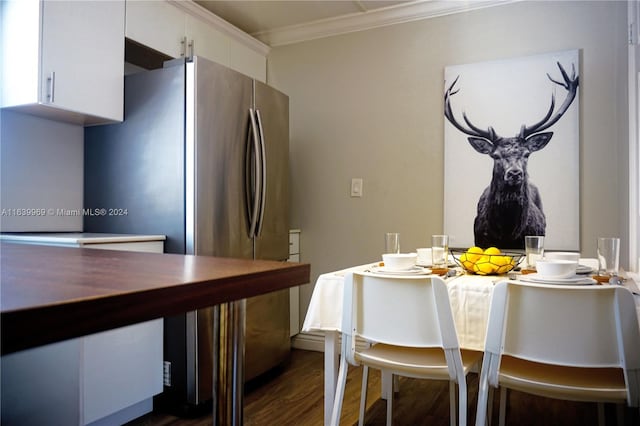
[247,61]
[64,59]
[156,24]
[204,40]
[184,29]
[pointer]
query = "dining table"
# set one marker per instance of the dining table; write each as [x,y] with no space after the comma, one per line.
[50,294]
[469,295]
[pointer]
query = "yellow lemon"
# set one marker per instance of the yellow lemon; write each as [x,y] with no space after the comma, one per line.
[466,263]
[503,263]
[484,266]
[474,253]
[491,253]
[492,250]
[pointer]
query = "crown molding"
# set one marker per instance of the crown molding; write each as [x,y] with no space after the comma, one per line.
[221,25]
[405,12]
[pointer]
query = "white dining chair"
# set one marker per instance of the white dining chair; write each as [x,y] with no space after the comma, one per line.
[578,343]
[409,325]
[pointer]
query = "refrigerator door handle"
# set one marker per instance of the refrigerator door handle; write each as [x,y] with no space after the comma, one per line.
[253,175]
[263,171]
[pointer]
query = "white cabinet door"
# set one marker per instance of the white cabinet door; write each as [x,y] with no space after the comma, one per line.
[71,65]
[20,60]
[207,41]
[214,44]
[122,367]
[169,29]
[83,44]
[156,24]
[247,61]
[40,386]
[184,29]
[294,292]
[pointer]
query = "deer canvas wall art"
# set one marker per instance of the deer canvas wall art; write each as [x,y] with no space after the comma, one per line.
[499,111]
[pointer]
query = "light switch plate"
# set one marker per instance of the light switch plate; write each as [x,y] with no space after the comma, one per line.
[356,187]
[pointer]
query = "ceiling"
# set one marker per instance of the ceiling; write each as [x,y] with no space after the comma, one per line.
[266,15]
[281,22]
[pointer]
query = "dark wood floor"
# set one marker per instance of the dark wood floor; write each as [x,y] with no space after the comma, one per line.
[295,397]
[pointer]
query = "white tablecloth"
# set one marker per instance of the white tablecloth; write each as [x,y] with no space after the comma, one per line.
[470,296]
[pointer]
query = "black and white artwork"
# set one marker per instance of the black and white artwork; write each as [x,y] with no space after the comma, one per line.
[512,152]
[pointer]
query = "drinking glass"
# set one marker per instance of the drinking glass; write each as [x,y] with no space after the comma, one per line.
[534,249]
[424,256]
[608,256]
[439,251]
[392,242]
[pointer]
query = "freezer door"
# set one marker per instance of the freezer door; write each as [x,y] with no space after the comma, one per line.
[272,107]
[222,98]
[218,103]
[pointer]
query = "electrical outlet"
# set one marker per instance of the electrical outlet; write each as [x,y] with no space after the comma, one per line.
[356,187]
[166,373]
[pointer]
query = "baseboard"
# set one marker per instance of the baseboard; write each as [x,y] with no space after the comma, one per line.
[308,341]
[315,342]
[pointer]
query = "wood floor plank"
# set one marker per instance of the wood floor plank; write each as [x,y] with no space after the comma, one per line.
[295,396]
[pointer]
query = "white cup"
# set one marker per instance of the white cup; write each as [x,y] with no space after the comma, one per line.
[392,242]
[534,249]
[562,255]
[608,256]
[556,268]
[439,251]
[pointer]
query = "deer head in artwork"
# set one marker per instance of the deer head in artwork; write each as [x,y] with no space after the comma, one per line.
[510,207]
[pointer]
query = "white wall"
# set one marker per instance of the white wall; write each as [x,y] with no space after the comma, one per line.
[370,104]
[41,173]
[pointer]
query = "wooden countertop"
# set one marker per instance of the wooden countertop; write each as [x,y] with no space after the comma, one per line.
[48,294]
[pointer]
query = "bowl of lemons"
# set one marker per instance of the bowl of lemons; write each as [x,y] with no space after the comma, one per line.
[489,261]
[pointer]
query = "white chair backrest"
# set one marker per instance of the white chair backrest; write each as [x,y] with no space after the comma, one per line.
[582,326]
[402,311]
[585,326]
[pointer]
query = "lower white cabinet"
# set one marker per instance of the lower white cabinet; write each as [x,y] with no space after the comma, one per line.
[121,372]
[106,378]
[294,292]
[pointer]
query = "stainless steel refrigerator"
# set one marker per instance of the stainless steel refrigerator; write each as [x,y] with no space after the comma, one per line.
[201,157]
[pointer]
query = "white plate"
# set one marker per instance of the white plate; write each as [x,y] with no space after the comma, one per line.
[416,270]
[584,269]
[451,264]
[575,280]
[426,263]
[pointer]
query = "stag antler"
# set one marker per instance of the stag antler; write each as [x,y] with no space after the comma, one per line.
[489,134]
[571,84]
